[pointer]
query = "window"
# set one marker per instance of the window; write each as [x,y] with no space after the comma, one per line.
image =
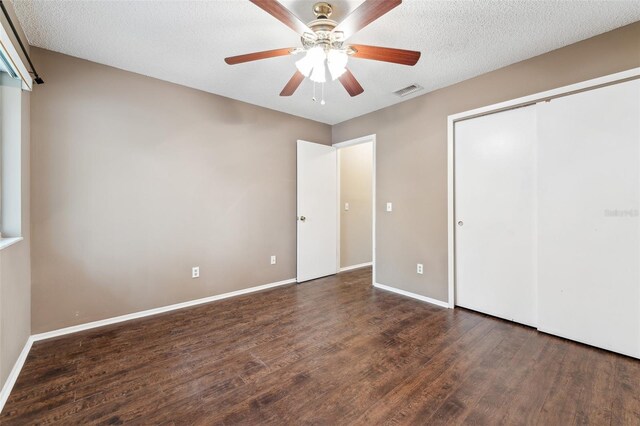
[10,153]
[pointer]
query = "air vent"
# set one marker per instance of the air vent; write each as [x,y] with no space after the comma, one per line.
[408,90]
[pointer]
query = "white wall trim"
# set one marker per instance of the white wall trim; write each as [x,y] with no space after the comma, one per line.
[412,295]
[364,139]
[631,74]
[7,242]
[15,371]
[17,367]
[358,266]
[155,311]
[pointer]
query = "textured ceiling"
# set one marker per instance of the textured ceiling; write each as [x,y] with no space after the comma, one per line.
[185,42]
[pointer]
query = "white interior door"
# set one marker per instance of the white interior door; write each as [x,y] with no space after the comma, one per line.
[317,211]
[495,214]
[589,204]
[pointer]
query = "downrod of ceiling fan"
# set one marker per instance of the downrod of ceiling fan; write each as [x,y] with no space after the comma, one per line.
[322,10]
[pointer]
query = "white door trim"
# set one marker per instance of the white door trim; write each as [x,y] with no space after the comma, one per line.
[351,142]
[631,74]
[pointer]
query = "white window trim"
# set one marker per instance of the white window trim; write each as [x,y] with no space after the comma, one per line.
[9,51]
[12,54]
[7,242]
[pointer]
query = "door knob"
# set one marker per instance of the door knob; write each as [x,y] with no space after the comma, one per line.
[460,223]
[302,218]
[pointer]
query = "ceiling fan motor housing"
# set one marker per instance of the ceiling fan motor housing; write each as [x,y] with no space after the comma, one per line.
[322,28]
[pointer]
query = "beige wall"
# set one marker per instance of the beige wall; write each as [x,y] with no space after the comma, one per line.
[136,180]
[411,151]
[356,224]
[15,263]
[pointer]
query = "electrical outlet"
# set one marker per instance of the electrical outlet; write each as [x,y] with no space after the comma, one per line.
[273,260]
[389,207]
[420,268]
[346,207]
[195,272]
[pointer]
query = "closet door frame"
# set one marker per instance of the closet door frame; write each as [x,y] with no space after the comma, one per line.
[595,83]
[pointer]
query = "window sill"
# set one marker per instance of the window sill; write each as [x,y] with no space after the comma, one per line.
[6,242]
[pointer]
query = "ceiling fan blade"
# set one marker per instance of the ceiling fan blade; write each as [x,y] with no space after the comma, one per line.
[282,14]
[386,54]
[257,56]
[365,14]
[350,83]
[293,84]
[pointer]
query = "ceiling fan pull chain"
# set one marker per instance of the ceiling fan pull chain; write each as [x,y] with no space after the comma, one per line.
[322,101]
[314,91]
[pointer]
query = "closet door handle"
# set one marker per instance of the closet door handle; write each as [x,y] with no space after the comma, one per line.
[460,223]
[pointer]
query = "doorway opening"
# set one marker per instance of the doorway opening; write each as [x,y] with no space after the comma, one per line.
[336,201]
[356,204]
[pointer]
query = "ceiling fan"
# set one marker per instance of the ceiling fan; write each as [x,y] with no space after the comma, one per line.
[324,51]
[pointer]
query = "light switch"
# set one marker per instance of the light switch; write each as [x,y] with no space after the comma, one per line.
[346,207]
[389,207]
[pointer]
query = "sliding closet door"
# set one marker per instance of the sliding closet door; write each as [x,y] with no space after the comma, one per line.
[495,214]
[589,203]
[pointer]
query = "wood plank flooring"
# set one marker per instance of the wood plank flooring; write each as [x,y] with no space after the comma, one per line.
[331,351]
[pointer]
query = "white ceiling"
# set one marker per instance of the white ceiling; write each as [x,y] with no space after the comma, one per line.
[185,42]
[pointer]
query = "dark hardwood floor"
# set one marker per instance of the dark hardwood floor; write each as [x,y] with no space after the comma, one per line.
[331,351]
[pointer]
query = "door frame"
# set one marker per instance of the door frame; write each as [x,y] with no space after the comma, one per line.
[351,142]
[595,83]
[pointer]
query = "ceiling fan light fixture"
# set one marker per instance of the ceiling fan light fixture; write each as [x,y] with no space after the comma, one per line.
[304,66]
[313,59]
[337,63]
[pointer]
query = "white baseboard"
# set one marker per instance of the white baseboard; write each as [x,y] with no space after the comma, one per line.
[358,266]
[155,311]
[17,367]
[15,371]
[412,295]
